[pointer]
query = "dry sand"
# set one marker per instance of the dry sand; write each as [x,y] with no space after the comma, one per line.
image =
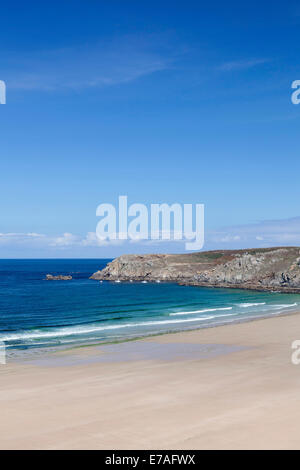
[229,387]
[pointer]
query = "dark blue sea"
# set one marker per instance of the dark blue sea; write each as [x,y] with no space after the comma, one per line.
[35,313]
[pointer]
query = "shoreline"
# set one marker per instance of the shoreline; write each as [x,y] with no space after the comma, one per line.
[251,288]
[135,321]
[228,387]
[51,350]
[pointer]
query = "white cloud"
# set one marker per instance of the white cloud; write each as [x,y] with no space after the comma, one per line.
[20,237]
[230,238]
[261,234]
[92,240]
[67,239]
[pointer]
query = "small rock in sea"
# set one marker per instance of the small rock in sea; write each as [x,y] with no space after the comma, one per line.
[60,277]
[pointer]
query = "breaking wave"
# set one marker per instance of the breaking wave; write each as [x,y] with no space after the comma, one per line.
[255,304]
[201,311]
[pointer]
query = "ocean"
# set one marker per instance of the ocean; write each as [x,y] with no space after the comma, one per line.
[38,314]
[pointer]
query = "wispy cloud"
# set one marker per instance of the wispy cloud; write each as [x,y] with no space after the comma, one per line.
[15,237]
[60,242]
[101,64]
[261,234]
[242,64]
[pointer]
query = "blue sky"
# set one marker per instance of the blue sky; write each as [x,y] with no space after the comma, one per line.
[184,102]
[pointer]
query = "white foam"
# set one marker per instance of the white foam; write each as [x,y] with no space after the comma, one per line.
[82,330]
[200,311]
[285,305]
[70,331]
[246,305]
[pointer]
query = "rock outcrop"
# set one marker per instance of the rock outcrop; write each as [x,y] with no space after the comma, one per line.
[260,269]
[60,277]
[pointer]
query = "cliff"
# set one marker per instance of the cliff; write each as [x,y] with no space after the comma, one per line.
[260,269]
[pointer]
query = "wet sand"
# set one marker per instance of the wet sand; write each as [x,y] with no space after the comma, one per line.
[228,387]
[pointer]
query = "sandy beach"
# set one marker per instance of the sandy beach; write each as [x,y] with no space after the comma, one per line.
[228,387]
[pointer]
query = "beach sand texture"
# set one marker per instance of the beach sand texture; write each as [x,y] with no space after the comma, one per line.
[228,387]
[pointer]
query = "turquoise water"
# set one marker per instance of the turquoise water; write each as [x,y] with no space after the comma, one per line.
[35,313]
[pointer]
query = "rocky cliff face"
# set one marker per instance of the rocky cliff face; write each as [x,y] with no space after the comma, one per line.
[263,269]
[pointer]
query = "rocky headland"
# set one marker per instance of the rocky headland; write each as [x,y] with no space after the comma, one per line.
[260,269]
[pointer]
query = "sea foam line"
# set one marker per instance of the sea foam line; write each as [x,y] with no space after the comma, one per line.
[80,331]
[245,305]
[284,305]
[201,311]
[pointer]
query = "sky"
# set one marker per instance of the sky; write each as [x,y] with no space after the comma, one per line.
[186,102]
